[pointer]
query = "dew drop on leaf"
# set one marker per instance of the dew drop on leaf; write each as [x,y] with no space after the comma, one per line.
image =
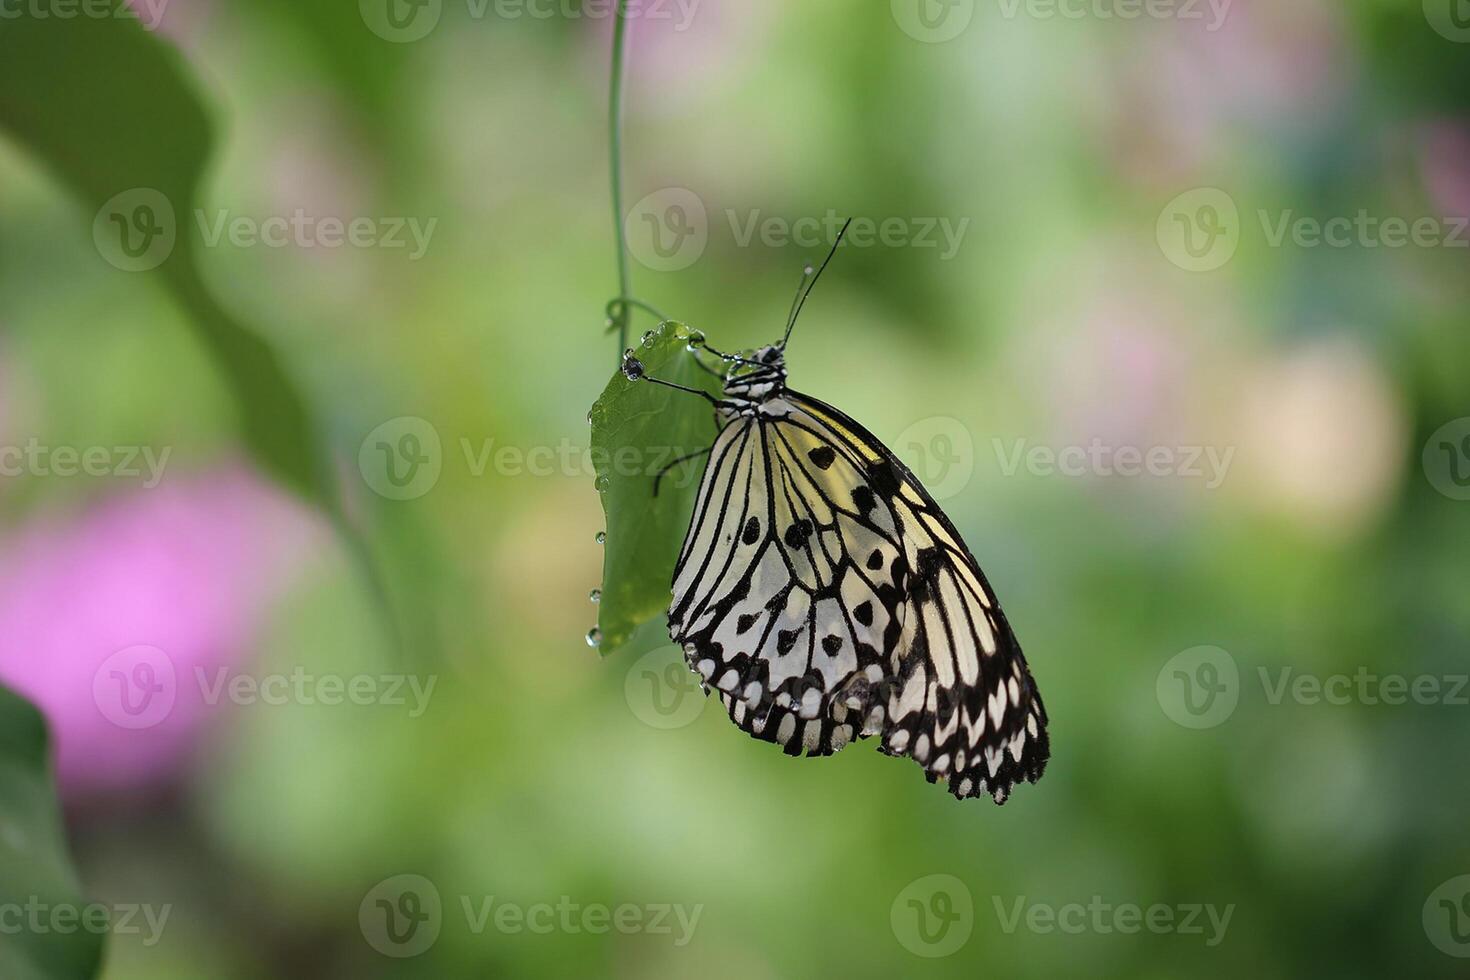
[648,338]
[602,484]
[595,595]
[594,637]
[696,339]
[601,537]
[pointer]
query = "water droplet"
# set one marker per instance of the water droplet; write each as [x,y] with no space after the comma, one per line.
[808,271]
[601,537]
[602,484]
[648,338]
[607,324]
[595,595]
[629,354]
[594,637]
[696,339]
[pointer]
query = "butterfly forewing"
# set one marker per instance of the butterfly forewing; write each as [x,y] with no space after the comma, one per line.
[827,597]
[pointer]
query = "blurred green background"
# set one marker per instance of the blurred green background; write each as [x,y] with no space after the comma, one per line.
[1126,270]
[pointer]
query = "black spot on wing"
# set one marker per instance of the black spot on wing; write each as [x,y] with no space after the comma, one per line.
[752,531]
[797,533]
[823,456]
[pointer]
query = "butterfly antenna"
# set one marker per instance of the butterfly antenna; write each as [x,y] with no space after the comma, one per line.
[809,282]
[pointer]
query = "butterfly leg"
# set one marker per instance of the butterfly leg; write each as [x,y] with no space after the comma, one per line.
[633,370]
[673,463]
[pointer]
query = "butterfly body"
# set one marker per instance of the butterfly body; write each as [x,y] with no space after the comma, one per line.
[826,597]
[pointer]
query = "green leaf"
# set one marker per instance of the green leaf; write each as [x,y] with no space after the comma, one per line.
[106,106]
[109,108]
[637,428]
[34,867]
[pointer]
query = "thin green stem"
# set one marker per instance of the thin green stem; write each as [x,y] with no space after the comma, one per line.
[619,307]
[615,147]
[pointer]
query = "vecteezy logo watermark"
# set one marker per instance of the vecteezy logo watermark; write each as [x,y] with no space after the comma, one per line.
[401,916]
[668,230]
[569,917]
[1182,10]
[933,916]
[401,21]
[1207,463]
[1199,230]
[1447,459]
[136,230]
[402,458]
[1449,18]
[149,13]
[940,452]
[136,687]
[1104,918]
[662,691]
[933,21]
[1447,917]
[1199,687]
[36,917]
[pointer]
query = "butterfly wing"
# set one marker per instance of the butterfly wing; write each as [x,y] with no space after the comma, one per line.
[961,700]
[767,604]
[827,597]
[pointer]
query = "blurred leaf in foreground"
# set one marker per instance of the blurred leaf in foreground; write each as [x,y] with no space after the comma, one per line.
[133,149]
[35,872]
[637,429]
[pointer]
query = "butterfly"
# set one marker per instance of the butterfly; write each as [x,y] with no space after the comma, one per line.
[825,596]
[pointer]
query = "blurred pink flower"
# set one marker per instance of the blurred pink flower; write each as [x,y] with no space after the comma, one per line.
[181,21]
[1444,149]
[177,578]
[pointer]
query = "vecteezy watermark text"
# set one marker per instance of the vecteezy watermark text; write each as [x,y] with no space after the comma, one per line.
[403,916]
[1208,463]
[404,21]
[149,13]
[1201,687]
[139,687]
[1212,12]
[124,462]
[1105,918]
[37,918]
[301,229]
[138,229]
[670,230]
[1201,229]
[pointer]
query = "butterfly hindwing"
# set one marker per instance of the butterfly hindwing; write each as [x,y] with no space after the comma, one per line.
[961,700]
[827,597]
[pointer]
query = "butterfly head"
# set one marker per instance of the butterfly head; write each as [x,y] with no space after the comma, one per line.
[757,375]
